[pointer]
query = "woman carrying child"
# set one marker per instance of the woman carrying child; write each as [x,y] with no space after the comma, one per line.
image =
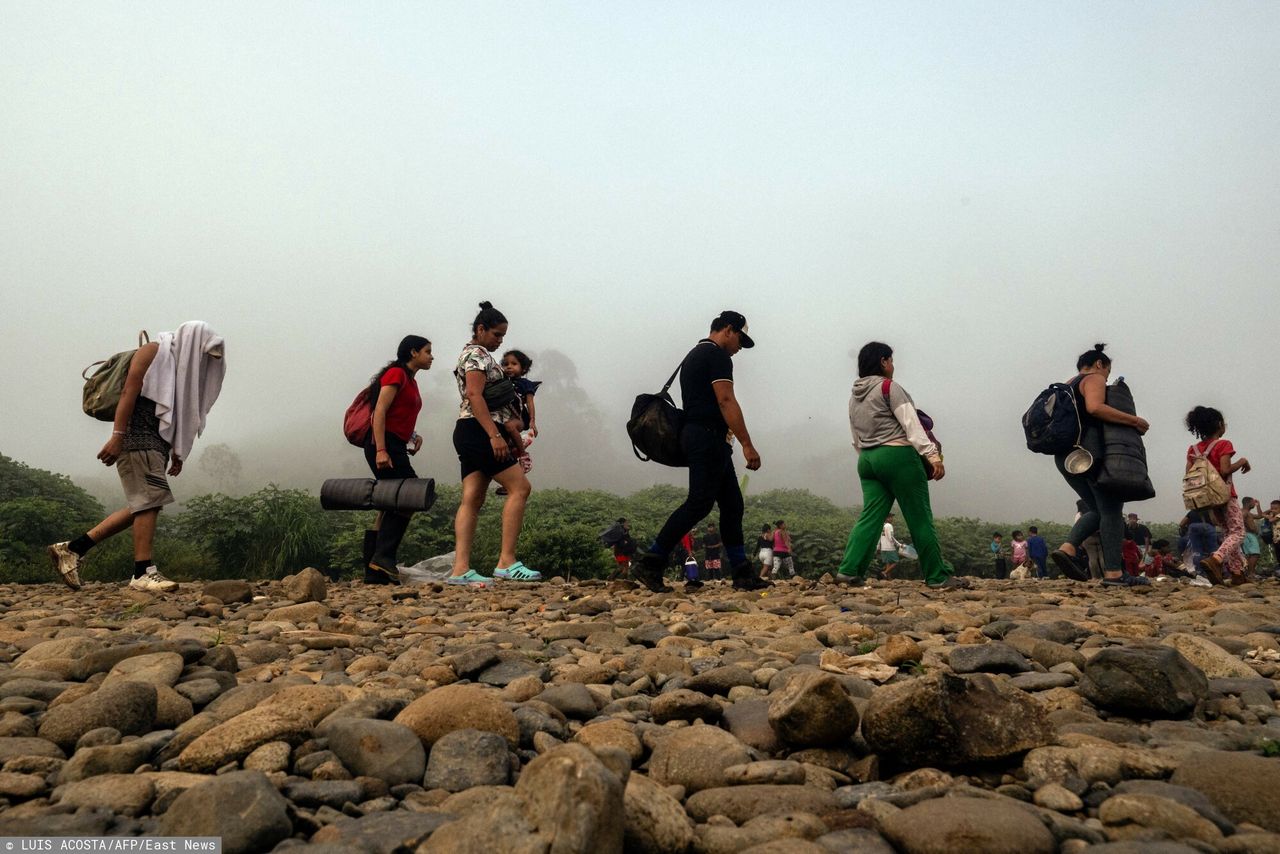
[487,439]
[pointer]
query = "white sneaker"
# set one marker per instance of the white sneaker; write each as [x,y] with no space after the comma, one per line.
[153,582]
[1201,581]
[66,562]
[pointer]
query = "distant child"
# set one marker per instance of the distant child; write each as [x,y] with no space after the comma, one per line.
[889,546]
[1208,425]
[998,555]
[1019,546]
[1252,547]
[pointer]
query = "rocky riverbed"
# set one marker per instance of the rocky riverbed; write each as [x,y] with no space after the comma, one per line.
[1013,717]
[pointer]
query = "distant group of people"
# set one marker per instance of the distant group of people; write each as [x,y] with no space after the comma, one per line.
[172,383]
[1026,555]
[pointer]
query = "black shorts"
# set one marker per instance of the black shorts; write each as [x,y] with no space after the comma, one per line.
[398,450]
[475,450]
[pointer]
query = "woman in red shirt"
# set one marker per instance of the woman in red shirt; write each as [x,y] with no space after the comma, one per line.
[396,404]
[1209,427]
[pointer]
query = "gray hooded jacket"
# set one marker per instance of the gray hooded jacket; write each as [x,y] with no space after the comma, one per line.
[875,420]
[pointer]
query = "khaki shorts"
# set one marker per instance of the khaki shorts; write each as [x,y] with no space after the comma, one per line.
[142,476]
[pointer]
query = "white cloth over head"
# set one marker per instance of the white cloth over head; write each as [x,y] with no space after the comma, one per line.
[184,380]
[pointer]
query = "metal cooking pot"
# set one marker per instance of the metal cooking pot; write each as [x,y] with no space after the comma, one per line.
[1078,461]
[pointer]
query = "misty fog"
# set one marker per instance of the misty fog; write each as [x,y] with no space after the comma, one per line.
[988,188]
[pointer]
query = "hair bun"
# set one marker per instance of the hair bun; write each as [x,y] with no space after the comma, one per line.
[1099,347]
[486,305]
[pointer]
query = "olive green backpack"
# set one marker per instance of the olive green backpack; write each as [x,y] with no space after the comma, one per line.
[102,388]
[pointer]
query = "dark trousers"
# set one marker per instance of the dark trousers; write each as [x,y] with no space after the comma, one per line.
[712,482]
[1041,571]
[1103,516]
[1002,568]
[1202,540]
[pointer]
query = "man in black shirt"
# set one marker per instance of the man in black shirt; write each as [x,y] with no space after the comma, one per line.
[712,417]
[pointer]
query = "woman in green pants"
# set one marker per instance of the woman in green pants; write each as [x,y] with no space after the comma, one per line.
[896,460]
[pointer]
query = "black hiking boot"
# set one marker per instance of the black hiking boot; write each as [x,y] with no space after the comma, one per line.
[648,570]
[745,578]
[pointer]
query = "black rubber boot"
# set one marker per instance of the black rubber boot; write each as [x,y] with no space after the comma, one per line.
[371,542]
[648,571]
[745,578]
[390,534]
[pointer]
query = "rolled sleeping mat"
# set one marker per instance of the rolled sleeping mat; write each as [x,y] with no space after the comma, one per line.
[347,493]
[408,495]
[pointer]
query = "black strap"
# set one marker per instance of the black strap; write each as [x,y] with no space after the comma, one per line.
[676,372]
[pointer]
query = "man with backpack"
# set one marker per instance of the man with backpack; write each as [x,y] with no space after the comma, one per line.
[713,419]
[165,396]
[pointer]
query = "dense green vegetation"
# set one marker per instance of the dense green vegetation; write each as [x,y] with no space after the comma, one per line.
[273,532]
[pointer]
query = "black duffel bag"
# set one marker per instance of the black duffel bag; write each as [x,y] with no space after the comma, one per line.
[655,425]
[1123,469]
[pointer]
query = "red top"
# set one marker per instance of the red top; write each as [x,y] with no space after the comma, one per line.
[402,415]
[1221,448]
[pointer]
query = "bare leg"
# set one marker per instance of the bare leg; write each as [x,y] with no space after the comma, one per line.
[121,520]
[474,487]
[144,533]
[518,488]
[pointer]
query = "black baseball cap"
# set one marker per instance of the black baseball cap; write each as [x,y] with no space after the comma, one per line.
[738,323]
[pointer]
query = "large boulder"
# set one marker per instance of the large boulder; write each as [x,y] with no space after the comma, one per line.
[371,748]
[307,586]
[566,800]
[128,707]
[813,710]
[1244,786]
[454,707]
[656,823]
[466,758]
[229,591]
[743,803]
[1148,680]
[695,757]
[576,801]
[289,715]
[963,825]
[157,668]
[1214,661]
[241,807]
[947,720]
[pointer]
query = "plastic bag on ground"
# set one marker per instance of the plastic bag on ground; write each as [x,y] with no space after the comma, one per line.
[427,571]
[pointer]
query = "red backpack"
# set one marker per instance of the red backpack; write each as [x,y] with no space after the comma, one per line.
[358,420]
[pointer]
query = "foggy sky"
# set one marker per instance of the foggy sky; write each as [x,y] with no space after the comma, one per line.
[988,187]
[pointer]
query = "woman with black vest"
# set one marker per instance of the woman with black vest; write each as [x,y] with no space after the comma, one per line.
[1103,511]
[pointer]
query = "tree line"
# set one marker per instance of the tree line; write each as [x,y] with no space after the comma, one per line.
[274,532]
